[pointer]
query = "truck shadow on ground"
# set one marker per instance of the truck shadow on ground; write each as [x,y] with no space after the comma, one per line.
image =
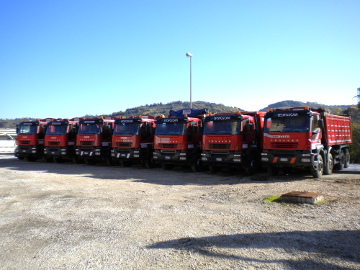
[137,173]
[309,249]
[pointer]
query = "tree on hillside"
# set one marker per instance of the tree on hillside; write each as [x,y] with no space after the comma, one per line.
[354,112]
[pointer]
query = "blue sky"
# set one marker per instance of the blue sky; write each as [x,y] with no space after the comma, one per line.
[71,58]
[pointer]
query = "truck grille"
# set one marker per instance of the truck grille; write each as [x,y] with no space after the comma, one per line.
[220,146]
[123,144]
[287,145]
[168,145]
[86,143]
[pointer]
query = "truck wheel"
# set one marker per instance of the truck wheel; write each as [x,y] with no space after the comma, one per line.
[272,170]
[109,161]
[58,160]
[347,158]
[89,161]
[77,160]
[148,164]
[196,166]
[214,169]
[341,163]
[125,163]
[49,159]
[251,167]
[329,166]
[165,166]
[320,168]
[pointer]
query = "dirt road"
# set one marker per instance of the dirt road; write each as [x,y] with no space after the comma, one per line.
[66,216]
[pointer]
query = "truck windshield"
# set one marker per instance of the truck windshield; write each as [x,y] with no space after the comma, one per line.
[28,129]
[170,129]
[126,129]
[290,124]
[56,130]
[89,129]
[222,127]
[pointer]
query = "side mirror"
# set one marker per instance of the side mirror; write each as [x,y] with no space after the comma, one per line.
[321,123]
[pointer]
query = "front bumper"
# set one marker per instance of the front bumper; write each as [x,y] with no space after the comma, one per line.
[119,153]
[173,156]
[23,151]
[220,157]
[289,158]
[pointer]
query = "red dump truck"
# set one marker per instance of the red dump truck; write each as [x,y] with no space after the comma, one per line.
[60,139]
[178,138]
[93,141]
[133,140]
[233,140]
[306,138]
[30,139]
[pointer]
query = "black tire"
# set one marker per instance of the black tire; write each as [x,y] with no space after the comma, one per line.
[165,166]
[125,163]
[89,161]
[196,166]
[341,164]
[148,164]
[320,168]
[109,161]
[49,159]
[347,158]
[58,160]
[77,160]
[329,165]
[214,169]
[252,166]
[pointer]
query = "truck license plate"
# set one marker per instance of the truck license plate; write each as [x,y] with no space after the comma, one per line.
[167,157]
[284,159]
[218,159]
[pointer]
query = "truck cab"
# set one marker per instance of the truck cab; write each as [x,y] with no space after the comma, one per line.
[306,138]
[93,141]
[133,140]
[233,140]
[60,139]
[178,138]
[30,139]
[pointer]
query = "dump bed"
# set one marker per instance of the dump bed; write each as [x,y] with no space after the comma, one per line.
[337,129]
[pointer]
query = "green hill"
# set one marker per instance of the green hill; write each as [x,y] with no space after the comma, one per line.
[160,108]
[334,109]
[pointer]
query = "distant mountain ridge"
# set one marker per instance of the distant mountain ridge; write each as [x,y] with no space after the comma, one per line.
[160,108]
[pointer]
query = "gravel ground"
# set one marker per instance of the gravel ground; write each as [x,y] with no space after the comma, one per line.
[67,216]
